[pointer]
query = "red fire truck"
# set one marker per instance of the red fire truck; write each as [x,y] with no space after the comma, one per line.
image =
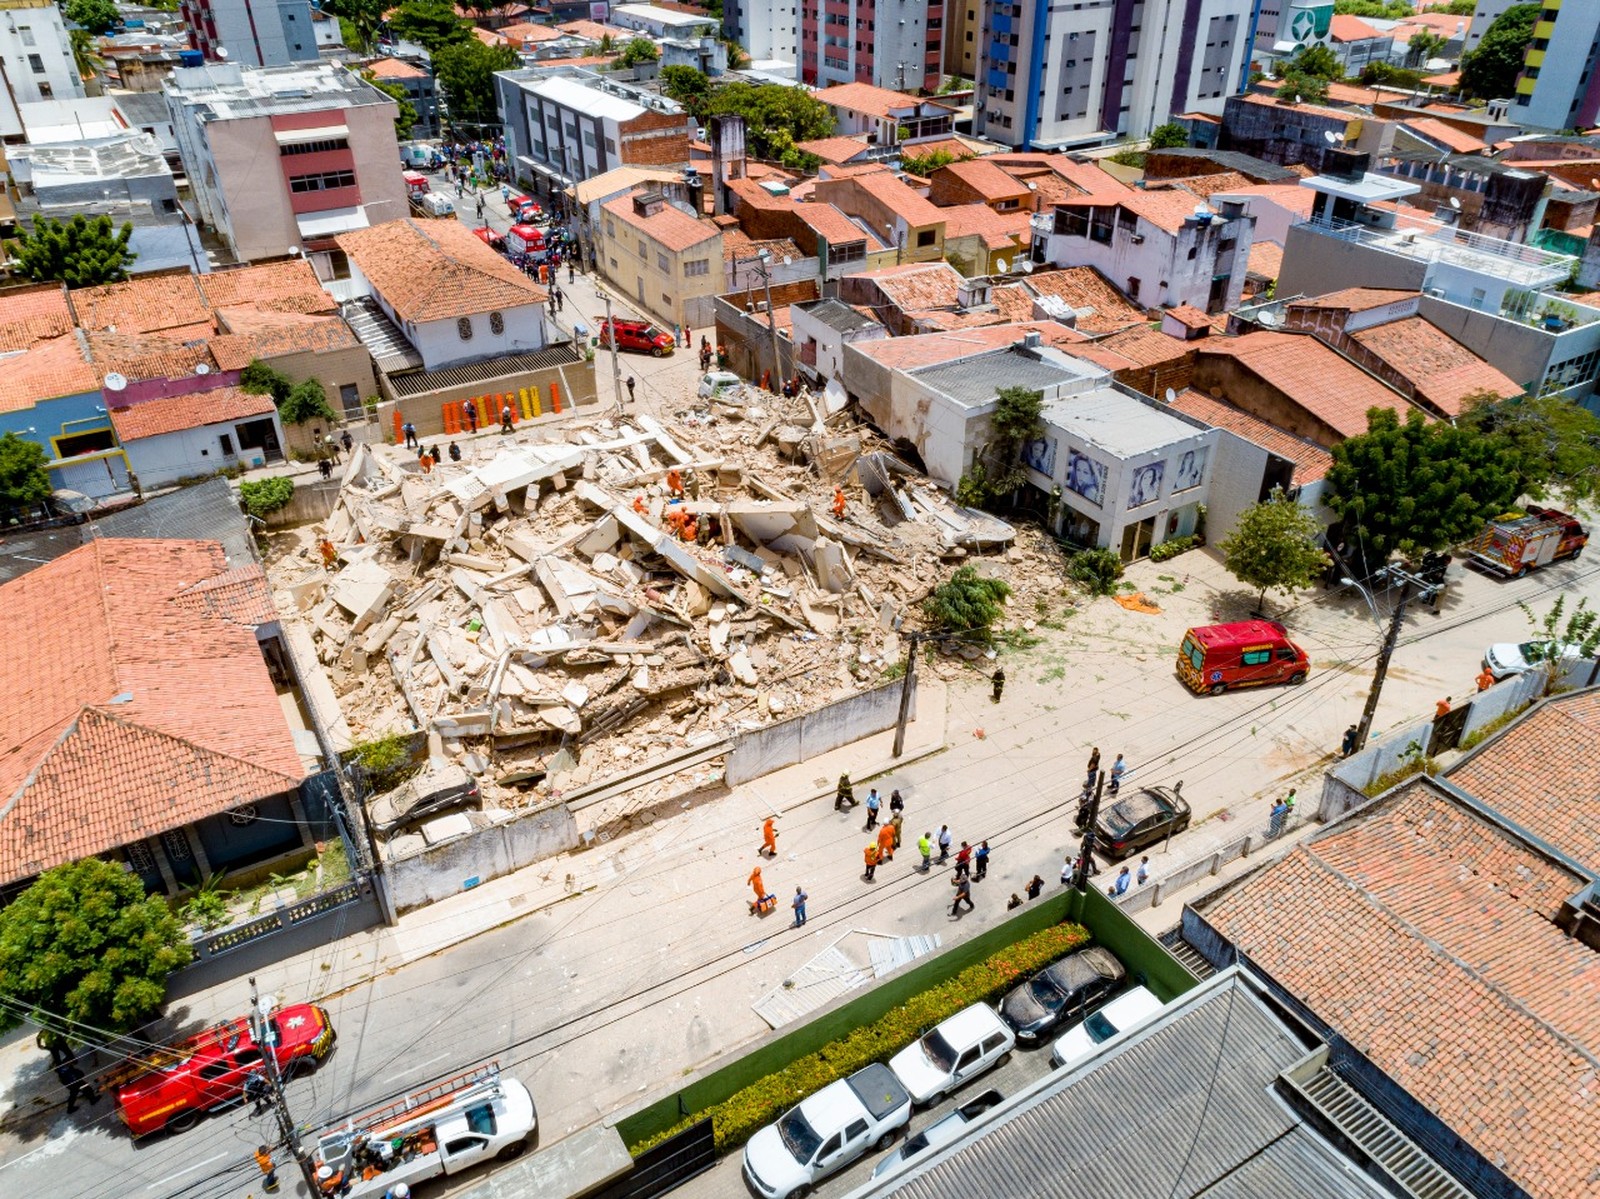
[1517,542]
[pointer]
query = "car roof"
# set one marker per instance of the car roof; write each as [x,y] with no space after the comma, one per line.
[1133,1004]
[1146,801]
[1082,968]
[970,1025]
[1238,632]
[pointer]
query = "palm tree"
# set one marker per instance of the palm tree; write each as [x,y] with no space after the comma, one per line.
[85,55]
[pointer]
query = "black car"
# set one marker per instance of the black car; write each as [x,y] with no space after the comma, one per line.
[1140,818]
[1063,989]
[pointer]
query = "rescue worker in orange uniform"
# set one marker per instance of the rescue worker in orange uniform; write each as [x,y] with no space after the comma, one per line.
[838,502]
[675,483]
[329,554]
[870,853]
[886,842]
[755,882]
[769,837]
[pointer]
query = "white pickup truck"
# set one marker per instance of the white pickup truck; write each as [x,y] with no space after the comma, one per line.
[826,1132]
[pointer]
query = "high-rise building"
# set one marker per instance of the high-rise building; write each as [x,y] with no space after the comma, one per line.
[38,60]
[766,32]
[961,46]
[1051,76]
[254,33]
[1560,89]
[897,45]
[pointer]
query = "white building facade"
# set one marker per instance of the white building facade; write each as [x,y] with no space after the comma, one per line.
[38,60]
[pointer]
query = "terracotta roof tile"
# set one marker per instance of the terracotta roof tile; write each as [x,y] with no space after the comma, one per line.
[1203,186]
[1444,135]
[851,170]
[828,222]
[151,418]
[33,314]
[1442,370]
[254,334]
[930,349]
[1101,307]
[1189,316]
[867,99]
[1323,382]
[1425,936]
[528,33]
[1083,178]
[999,230]
[289,286]
[593,30]
[917,286]
[143,304]
[988,180]
[1356,299]
[488,37]
[1012,301]
[894,195]
[394,68]
[47,371]
[1311,460]
[1345,28]
[1145,346]
[152,357]
[838,150]
[1266,260]
[131,707]
[669,227]
[437,270]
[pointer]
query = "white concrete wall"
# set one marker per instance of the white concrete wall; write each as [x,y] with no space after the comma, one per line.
[1155,257]
[28,31]
[169,456]
[441,345]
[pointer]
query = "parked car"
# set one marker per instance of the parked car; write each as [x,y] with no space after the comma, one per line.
[1140,818]
[637,335]
[1061,989]
[434,790]
[826,1132]
[1128,1011]
[1506,658]
[714,381]
[954,1052]
[940,1132]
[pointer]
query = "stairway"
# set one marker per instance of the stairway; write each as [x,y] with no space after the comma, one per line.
[1187,954]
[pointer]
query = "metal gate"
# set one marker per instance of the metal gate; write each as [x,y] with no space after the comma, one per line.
[668,1165]
[1447,730]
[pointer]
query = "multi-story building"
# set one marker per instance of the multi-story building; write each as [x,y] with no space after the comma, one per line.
[769,33]
[1560,88]
[281,159]
[252,33]
[961,37]
[1485,14]
[564,125]
[419,89]
[898,46]
[664,259]
[1054,76]
[38,61]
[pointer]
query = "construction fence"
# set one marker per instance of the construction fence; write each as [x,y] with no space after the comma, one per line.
[761,751]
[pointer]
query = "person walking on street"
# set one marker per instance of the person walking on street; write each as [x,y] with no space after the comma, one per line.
[1119,886]
[1035,885]
[1347,744]
[769,837]
[571,274]
[1118,769]
[757,884]
[963,886]
[896,803]
[1016,901]
[269,1172]
[870,853]
[798,903]
[964,861]
[998,678]
[980,861]
[325,468]
[455,452]
[925,847]
[944,843]
[505,420]
[1485,679]
[630,389]
[346,440]
[1280,811]
[72,1078]
[886,843]
[1144,870]
[410,431]
[893,826]
[845,796]
[1094,764]
[1288,800]
[470,411]
[873,804]
[480,206]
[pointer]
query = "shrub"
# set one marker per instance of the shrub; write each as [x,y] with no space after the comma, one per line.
[266,495]
[739,1116]
[387,761]
[207,910]
[1172,547]
[1097,571]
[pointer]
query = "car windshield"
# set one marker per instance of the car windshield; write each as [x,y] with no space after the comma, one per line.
[1536,651]
[1045,992]
[939,1051]
[651,332]
[1099,1028]
[798,1136]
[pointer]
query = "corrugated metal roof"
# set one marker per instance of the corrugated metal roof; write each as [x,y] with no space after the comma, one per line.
[505,367]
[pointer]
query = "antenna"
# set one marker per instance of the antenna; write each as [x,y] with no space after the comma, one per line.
[1334,137]
[115,381]
[1025,266]
[1269,320]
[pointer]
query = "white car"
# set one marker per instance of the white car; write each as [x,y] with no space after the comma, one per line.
[1506,658]
[940,1132]
[1128,1011]
[952,1053]
[825,1132]
[714,381]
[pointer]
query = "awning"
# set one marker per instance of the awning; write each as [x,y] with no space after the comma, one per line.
[322,133]
[331,221]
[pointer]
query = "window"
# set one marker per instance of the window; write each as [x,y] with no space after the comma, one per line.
[227,445]
[1133,288]
[1255,657]
[325,181]
[45,90]
[700,266]
[27,34]
[464,328]
[661,262]
[317,147]
[1192,251]
[925,237]
[497,323]
[36,64]
[481,1119]
[644,250]
[610,228]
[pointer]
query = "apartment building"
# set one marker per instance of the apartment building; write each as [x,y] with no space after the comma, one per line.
[664,259]
[281,159]
[254,33]
[38,61]
[1560,88]
[769,33]
[898,44]
[1056,76]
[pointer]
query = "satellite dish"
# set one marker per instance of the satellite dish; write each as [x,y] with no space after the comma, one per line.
[1171,395]
[222,54]
[1297,99]
[1334,137]
[116,382]
[1269,320]
[1000,265]
[1455,203]
[1025,267]
[202,368]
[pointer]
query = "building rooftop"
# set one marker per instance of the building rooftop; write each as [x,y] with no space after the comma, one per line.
[1318,379]
[173,414]
[916,286]
[132,155]
[929,349]
[1356,299]
[47,370]
[668,226]
[1166,209]
[986,179]
[1444,136]
[837,150]
[1345,28]
[437,270]
[1117,422]
[1523,265]
[1424,933]
[252,333]
[868,100]
[394,68]
[232,91]
[528,33]
[622,179]
[1256,170]
[1100,307]
[100,724]
[144,304]
[840,317]
[666,16]
[998,230]
[974,380]
[1443,371]
[1311,460]
[894,194]
[834,226]
[1266,260]
[1142,345]
[33,314]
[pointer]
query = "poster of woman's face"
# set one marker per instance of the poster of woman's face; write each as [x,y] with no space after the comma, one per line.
[1040,455]
[1146,484]
[1191,470]
[1086,476]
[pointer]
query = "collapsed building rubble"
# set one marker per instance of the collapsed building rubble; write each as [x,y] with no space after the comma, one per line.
[568,606]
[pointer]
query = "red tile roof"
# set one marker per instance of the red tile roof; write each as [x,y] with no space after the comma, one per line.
[894,195]
[1426,937]
[830,223]
[1324,383]
[1356,299]
[132,703]
[986,179]
[675,230]
[838,150]
[255,334]
[917,286]
[143,304]
[152,418]
[33,314]
[47,371]
[288,286]
[1443,371]
[999,230]
[593,30]
[1345,28]
[529,33]
[149,357]
[867,99]
[1144,346]
[437,270]
[1311,460]
[1100,306]
[1444,135]
[1189,316]
[1082,178]
[394,68]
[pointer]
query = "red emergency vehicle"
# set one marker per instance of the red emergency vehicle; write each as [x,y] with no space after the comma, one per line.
[417,184]
[525,239]
[1518,542]
[1246,653]
[209,1070]
[523,210]
[489,238]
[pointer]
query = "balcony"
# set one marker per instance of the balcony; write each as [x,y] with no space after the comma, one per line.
[1521,265]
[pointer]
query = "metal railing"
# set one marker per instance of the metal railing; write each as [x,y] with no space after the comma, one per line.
[1526,265]
[227,940]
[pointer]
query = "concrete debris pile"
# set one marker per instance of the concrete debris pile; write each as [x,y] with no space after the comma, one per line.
[562,608]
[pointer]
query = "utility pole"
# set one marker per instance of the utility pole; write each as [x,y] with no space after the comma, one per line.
[266,1039]
[616,368]
[1080,868]
[908,686]
[760,261]
[1407,581]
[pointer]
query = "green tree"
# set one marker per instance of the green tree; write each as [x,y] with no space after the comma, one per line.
[1581,628]
[405,120]
[363,16]
[1490,72]
[1096,570]
[84,948]
[686,85]
[466,75]
[431,24]
[738,60]
[85,54]
[775,116]
[259,379]
[1319,61]
[1303,88]
[1170,136]
[927,164]
[1423,46]
[97,16]
[307,401]
[1460,8]
[638,50]
[998,469]
[1389,10]
[966,605]
[81,252]
[23,478]
[1551,444]
[262,496]
[1388,73]
[1417,486]
[1276,546]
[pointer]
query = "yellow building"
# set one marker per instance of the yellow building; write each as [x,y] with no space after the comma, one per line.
[961,38]
[668,262]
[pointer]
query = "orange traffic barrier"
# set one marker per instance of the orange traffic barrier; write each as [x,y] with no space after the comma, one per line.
[533,395]
[451,425]
[399,427]
[555,398]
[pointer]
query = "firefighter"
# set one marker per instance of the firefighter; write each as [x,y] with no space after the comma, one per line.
[838,503]
[269,1172]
